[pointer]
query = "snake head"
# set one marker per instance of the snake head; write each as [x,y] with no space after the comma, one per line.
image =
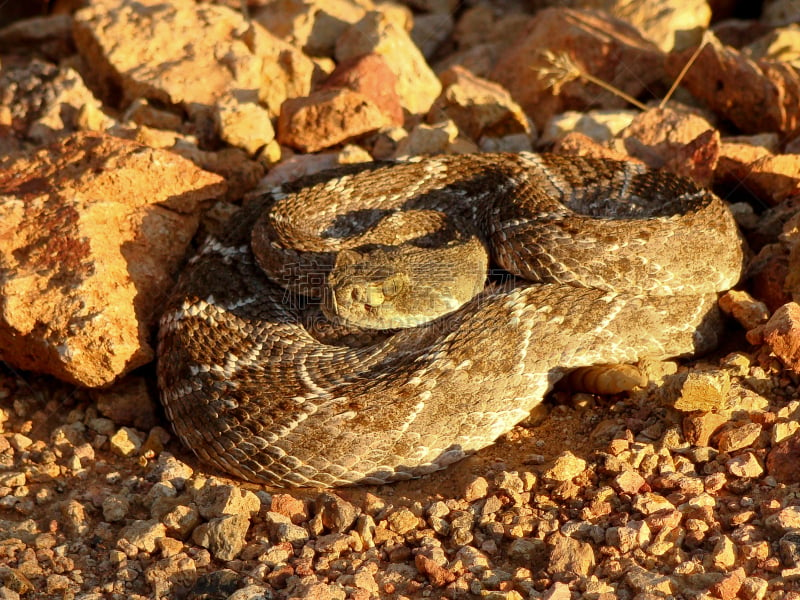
[367,290]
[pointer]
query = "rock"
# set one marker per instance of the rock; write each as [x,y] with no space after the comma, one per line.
[783,460]
[309,587]
[728,588]
[289,506]
[308,164]
[753,588]
[216,584]
[128,402]
[781,334]
[370,75]
[78,303]
[251,592]
[169,468]
[45,101]
[477,106]
[670,24]
[334,544]
[476,489]
[783,430]
[599,125]
[143,534]
[417,86]
[125,442]
[50,35]
[785,520]
[281,529]
[436,574]
[629,481]
[657,136]
[636,534]
[770,177]
[224,537]
[589,38]
[744,465]
[328,117]
[115,507]
[430,30]
[482,25]
[739,437]
[364,579]
[557,591]
[228,53]
[650,503]
[338,515]
[27,530]
[700,390]
[181,520]
[699,427]
[244,124]
[528,553]
[313,25]
[578,144]
[789,548]
[781,44]
[216,500]
[143,112]
[723,555]
[402,521]
[439,138]
[570,555]
[509,482]
[643,581]
[566,467]
[757,96]
[748,311]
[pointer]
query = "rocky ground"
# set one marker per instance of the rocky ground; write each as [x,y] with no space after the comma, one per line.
[128,130]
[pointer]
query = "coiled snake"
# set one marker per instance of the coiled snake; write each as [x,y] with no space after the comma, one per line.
[619,263]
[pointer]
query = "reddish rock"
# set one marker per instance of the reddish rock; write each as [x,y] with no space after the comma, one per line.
[783,461]
[437,575]
[417,85]
[598,43]
[629,481]
[782,335]
[728,588]
[328,117]
[757,96]
[371,76]
[767,276]
[92,229]
[289,506]
[697,159]
[578,144]
[667,137]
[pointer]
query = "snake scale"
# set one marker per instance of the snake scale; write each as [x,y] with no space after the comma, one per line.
[615,263]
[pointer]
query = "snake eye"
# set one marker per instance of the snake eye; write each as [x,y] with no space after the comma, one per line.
[374,295]
[391,287]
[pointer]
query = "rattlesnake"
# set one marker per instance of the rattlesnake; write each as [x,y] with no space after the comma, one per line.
[628,261]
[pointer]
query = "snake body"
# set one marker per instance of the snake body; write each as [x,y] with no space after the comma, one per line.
[616,263]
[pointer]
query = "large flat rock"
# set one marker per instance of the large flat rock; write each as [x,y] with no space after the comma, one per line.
[92,229]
